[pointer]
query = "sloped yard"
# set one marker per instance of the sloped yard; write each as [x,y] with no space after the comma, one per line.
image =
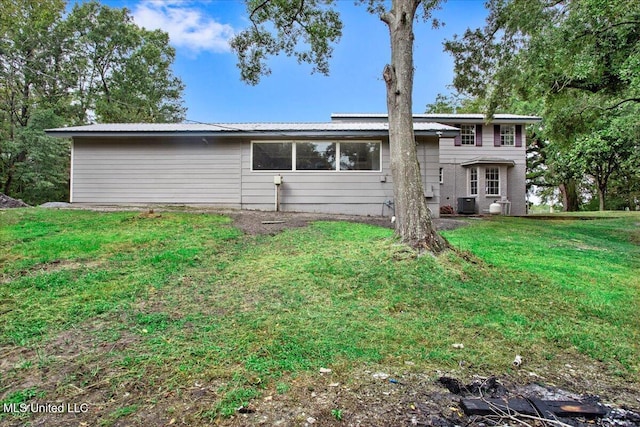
[169,318]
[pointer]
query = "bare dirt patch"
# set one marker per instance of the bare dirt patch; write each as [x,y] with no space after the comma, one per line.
[370,397]
[254,222]
[261,222]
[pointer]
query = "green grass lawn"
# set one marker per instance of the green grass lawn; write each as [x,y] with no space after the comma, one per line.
[158,302]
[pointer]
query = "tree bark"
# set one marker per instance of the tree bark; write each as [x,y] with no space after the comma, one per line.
[602,194]
[413,220]
[570,202]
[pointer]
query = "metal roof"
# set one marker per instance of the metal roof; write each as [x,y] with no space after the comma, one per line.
[337,128]
[441,118]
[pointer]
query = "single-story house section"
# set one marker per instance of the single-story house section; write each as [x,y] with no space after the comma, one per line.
[341,166]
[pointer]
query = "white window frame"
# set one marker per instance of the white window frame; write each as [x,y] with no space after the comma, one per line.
[470,181]
[508,135]
[467,135]
[294,159]
[494,178]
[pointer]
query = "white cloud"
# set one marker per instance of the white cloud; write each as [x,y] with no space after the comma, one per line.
[188,27]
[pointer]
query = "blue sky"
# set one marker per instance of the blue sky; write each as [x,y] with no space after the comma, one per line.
[199,30]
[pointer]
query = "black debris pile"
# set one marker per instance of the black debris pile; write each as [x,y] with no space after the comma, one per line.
[487,402]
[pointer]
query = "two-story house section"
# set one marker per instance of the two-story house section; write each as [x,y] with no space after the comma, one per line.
[485,163]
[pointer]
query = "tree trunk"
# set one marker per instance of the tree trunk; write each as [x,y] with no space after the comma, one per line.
[602,193]
[413,220]
[570,202]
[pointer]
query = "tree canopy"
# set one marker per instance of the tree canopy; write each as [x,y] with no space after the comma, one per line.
[57,68]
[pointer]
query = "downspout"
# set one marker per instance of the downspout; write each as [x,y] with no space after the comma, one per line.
[455,184]
[71,172]
[424,159]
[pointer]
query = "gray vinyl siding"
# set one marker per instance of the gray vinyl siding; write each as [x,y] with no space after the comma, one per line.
[218,172]
[344,192]
[512,179]
[452,154]
[146,170]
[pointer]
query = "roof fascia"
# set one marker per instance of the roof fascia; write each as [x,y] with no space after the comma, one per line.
[473,162]
[444,119]
[241,134]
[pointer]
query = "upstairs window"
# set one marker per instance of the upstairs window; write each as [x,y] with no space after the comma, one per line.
[468,134]
[507,135]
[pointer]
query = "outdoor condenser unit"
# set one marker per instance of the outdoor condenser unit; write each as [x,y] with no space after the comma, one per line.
[466,205]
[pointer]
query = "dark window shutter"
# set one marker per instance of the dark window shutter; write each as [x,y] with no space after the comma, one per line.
[478,135]
[518,135]
[457,141]
[496,135]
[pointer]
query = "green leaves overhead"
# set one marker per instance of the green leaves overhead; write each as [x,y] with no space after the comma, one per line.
[541,48]
[123,72]
[305,30]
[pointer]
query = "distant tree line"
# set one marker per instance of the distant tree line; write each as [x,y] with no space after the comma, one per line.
[576,64]
[60,67]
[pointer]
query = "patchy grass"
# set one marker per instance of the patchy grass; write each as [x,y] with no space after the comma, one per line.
[587,270]
[153,317]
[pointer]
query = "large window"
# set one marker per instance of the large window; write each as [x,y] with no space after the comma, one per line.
[473,181]
[468,134]
[507,135]
[273,156]
[315,156]
[319,156]
[359,156]
[492,181]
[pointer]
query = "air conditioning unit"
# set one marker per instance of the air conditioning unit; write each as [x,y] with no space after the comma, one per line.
[466,205]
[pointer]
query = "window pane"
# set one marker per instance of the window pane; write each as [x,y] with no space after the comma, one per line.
[360,156]
[468,134]
[473,181]
[315,156]
[270,156]
[507,135]
[492,178]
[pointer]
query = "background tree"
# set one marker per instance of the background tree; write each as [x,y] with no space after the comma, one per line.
[122,72]
[306,30]
[454,103]
[581,58]
[606,150]
[27,66]
[57,69]
[42,174]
